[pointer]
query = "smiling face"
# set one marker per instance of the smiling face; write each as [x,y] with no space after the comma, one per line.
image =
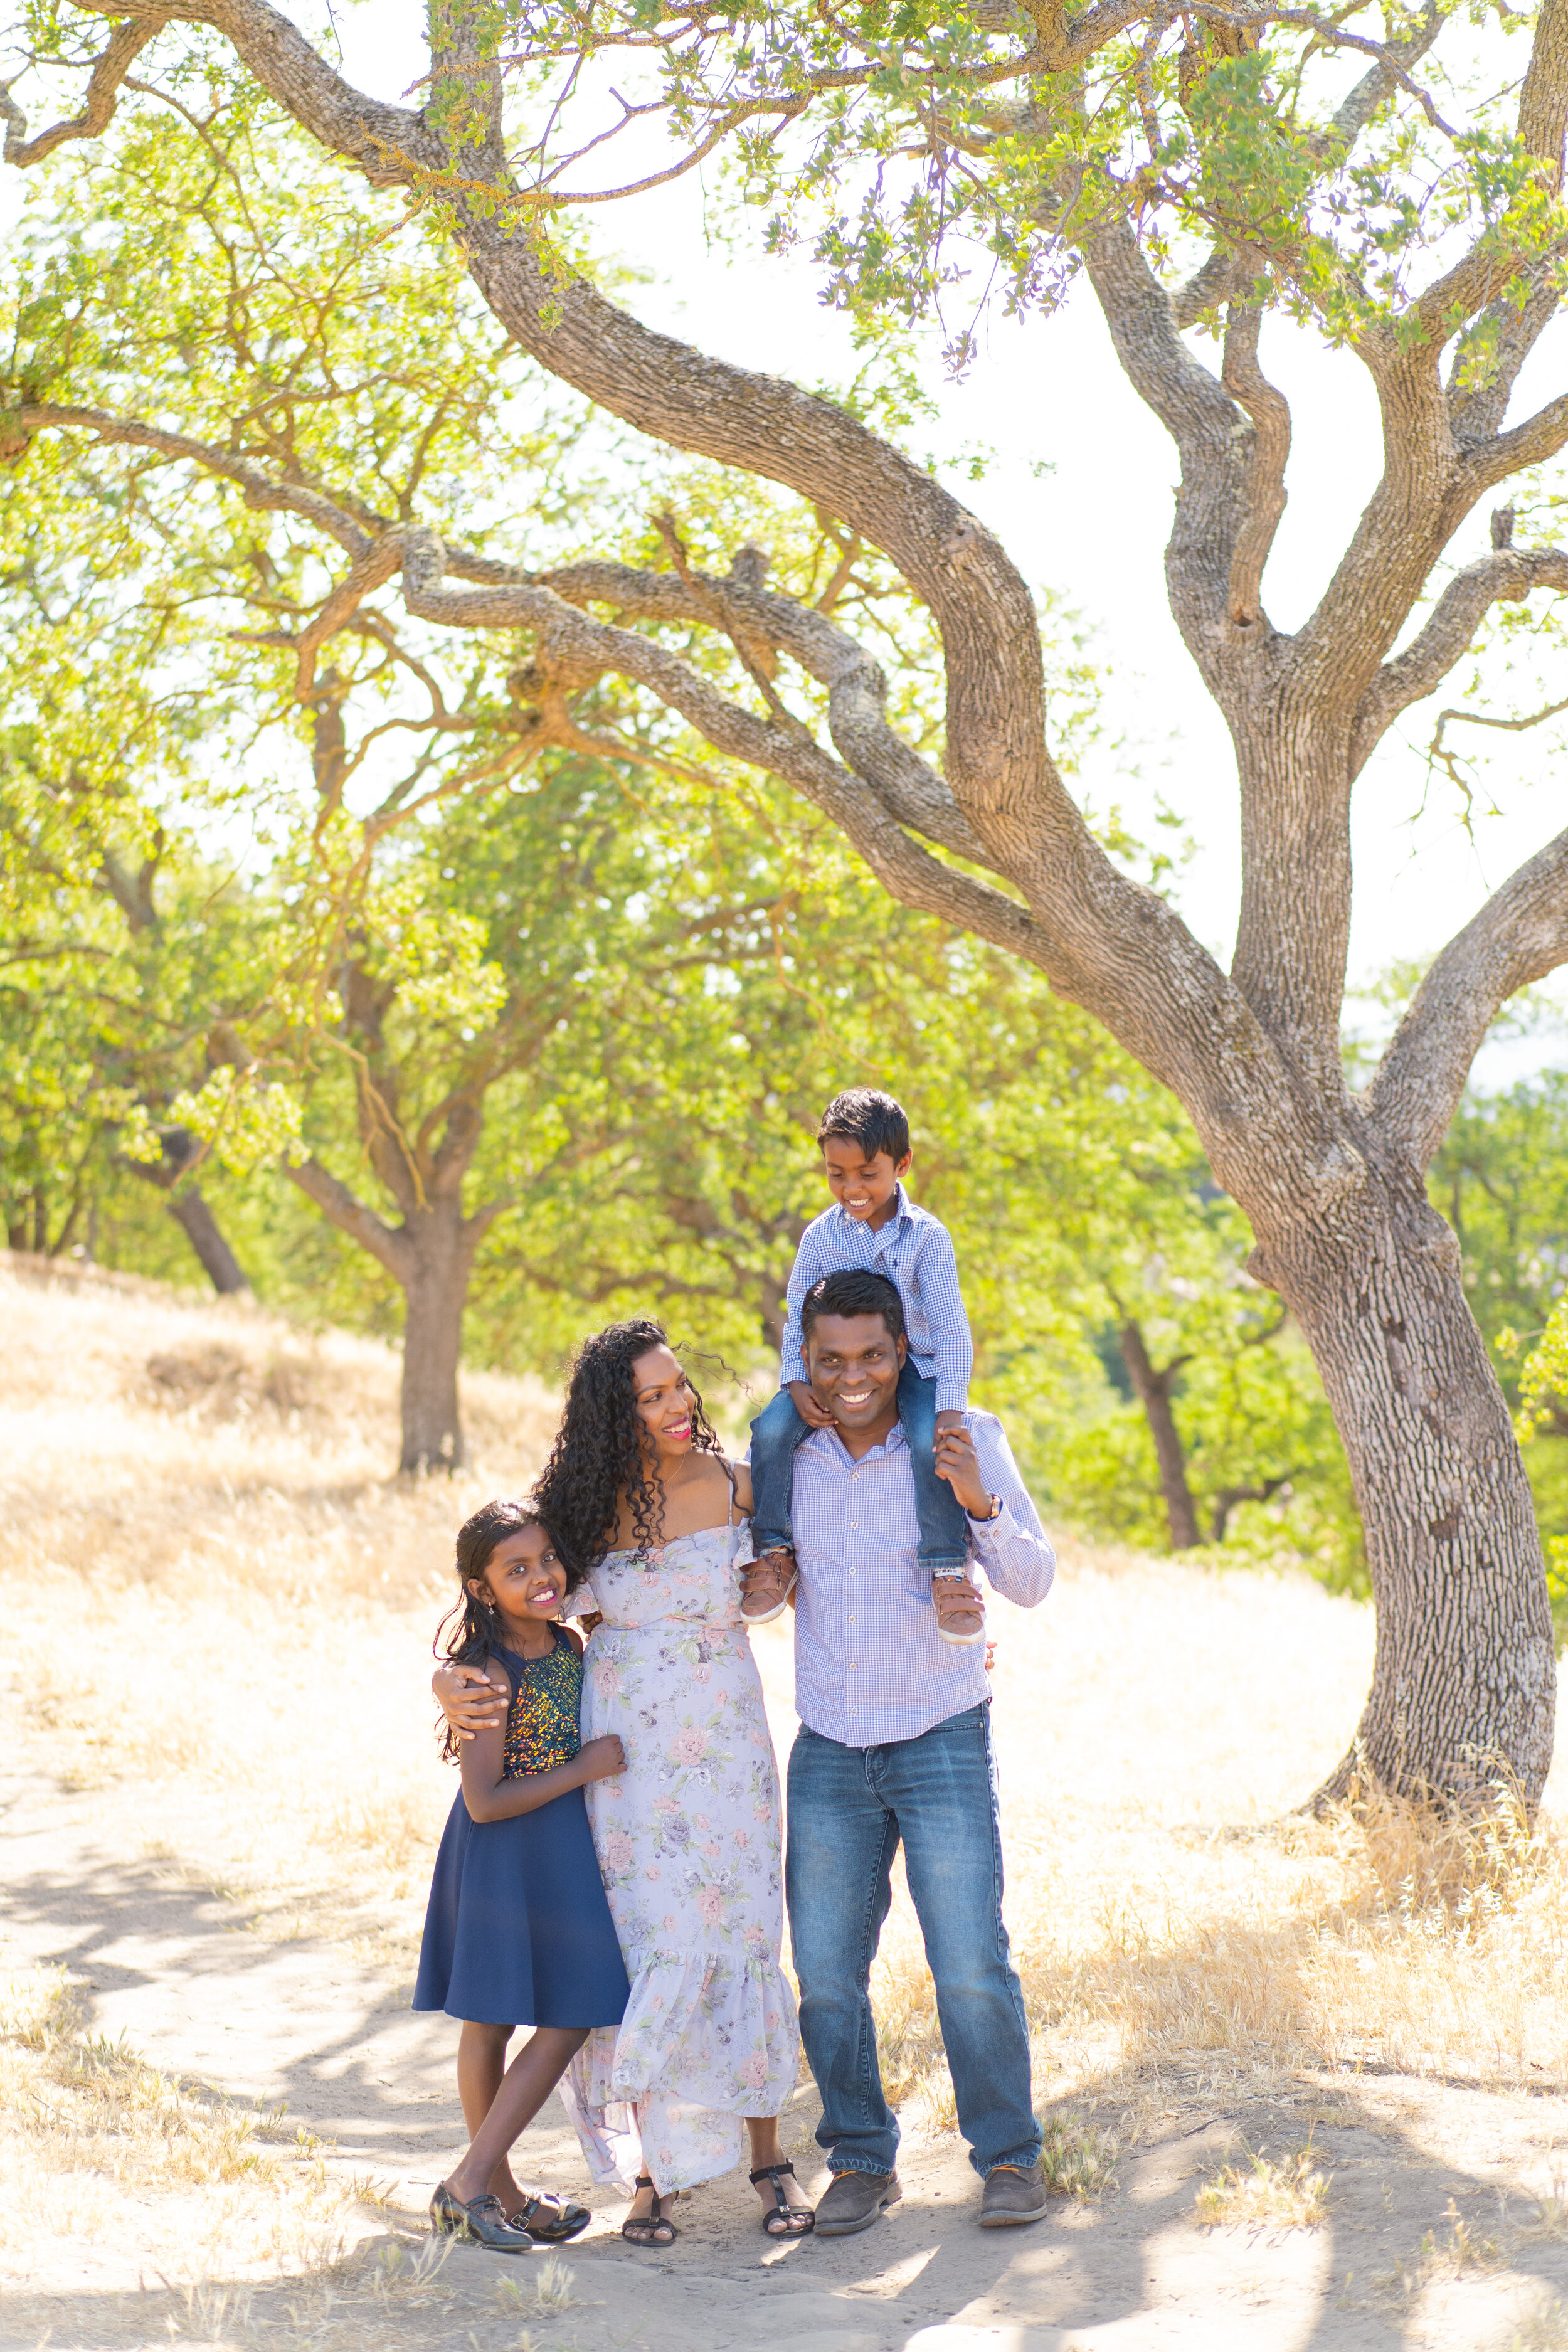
[524,1581]
[854,1362]
[664,1400]
[866,1186]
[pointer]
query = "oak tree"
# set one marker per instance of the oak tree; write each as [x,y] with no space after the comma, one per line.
[1203,168]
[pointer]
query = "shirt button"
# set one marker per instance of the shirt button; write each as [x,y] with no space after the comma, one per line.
[853,1525]
[852,1620]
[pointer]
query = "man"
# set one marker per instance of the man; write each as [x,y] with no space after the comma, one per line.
[895,1747]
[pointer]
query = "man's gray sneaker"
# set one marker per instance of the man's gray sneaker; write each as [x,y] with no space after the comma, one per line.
[1010,2196]
[854,2201]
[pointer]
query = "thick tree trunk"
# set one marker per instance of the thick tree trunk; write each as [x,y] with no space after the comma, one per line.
[435,1296]
[1464,1680]
[193,1214]
[1153,1390]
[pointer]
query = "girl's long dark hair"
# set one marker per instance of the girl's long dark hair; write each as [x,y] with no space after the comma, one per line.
[470,1633]
[599,1455]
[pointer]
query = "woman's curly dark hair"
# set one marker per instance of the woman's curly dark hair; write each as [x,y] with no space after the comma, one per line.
[599,1455]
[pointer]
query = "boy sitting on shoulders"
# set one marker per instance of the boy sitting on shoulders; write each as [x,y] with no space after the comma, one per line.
[864,1140]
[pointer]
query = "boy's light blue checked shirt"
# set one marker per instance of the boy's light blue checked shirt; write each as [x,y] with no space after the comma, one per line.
[914,1250]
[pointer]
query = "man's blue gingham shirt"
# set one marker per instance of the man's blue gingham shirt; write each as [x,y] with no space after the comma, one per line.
[870,1665]
[914,1250]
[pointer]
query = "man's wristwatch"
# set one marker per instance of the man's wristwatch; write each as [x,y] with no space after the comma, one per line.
[983,1519]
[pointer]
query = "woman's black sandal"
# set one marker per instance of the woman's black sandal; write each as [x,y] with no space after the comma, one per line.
[655,2228]
[786,2221]
[550,2219]
[482,2218]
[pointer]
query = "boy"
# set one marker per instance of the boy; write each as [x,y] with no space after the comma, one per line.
[864,1140]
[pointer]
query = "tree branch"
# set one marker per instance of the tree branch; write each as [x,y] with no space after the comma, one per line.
[125,46]
[1519,936]
[1507,333]
[260,490]
[913,794]
[349,1213]
[1505,576]
[1223,277]
[1531,443]
[390,145]
[1245,382]
[1213,509]
[1543,98]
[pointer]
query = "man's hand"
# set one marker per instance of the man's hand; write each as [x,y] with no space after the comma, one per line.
[958,1463]
[469,1710]
[950,1418]
[806,1404]
[602,1759]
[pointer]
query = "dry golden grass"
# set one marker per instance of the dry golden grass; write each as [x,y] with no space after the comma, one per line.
[1289,2192]
[92,2131]
[215,1591]
[1181,1930]
[1543,2328]
[219,1602]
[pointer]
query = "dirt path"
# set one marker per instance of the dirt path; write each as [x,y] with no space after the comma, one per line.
[177,1971]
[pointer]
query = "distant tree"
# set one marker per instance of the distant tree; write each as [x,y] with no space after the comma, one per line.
[119,952]
[497,987]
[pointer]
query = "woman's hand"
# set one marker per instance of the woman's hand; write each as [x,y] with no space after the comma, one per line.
[602,1759]
[589,1625]
[469,1708]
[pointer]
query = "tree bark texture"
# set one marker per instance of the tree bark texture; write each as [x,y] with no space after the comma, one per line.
[1332,1186]
[1152,1390]
[435,1296]
[1465,1675]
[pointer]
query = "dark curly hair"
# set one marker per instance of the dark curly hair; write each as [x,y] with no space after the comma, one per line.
[599,1453]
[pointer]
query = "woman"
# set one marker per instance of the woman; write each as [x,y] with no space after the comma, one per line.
[637,1490]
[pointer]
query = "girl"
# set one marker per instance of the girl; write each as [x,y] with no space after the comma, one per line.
[688,1841]
[518,1931]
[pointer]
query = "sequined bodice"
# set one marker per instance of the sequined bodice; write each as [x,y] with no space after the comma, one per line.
[541,1723]
[696,1578]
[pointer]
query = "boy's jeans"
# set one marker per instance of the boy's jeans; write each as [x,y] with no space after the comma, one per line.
[778,1430]
[848,1809]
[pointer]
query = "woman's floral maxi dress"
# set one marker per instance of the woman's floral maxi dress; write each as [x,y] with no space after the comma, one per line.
[688,1844]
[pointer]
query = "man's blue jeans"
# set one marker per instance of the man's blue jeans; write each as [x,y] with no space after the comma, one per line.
[848,1807]
[779,1429]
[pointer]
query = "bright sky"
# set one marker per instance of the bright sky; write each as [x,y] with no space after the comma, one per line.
[1048,394]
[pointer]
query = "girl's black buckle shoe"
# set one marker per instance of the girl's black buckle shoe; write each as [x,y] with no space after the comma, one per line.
[482,2218]
[550,2219]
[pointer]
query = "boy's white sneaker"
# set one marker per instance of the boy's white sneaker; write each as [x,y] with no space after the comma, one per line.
[960,1614]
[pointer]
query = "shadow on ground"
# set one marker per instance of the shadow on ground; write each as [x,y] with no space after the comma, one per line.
[1420,2248]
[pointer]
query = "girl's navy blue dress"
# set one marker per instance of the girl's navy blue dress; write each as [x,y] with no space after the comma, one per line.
[518,1931]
